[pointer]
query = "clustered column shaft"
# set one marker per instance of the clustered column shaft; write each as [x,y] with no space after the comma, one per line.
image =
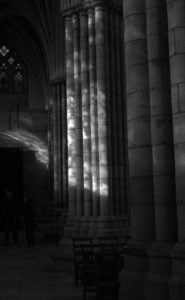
[93,173]
[161,124]
[78,114]
[58,138]
[71,119]
[94,114]
[176,27]
[55,147]
[86,129]
[138,116]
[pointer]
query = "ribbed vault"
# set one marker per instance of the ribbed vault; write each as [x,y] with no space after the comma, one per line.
[30,28]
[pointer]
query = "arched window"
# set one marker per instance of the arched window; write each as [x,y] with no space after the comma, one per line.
[12,71]
[4,78]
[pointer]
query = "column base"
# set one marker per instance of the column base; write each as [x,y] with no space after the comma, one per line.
[96,226]
[147,271]
[177,280]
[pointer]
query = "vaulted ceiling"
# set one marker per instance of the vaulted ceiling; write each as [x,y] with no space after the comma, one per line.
[30,27]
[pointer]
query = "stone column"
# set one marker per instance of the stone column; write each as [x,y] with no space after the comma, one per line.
[139,128]
[55,145]
[94,114]
[136,274]
[59,146]
[101,68]
[113,112]
[119,112]
[86,129]
[161,123]
[89,94]
[78,114]
[71,122]
[176,27]
[176,31]
[64,147]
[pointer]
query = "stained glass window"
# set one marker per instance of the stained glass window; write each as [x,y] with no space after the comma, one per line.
[12,71]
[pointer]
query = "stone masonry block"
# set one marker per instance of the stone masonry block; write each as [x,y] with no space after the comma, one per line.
[171,41]
[137,105]
[175,98]
[137,78]
[160,130]
[138,186]
[163,189]
[153,21]
[135,28]
[180,40]
[135,52]
[180,167]
[138,133]
[140,160]
[181,221]
[176,13]
[133,7]
[164,214]
[179,128]
[142,227]
[182,97]
[177,63]
[162,160]
[155,49]
[155,71]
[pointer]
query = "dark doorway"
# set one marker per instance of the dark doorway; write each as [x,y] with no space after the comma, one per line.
[11,172]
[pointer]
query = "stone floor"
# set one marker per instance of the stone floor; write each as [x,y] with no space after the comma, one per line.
[27,273]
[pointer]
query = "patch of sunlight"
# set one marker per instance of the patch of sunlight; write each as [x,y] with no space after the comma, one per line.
[104,189]
[31,142]
[95,187]
[26,120]
[72,177]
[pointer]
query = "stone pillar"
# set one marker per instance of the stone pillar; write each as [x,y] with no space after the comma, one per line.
[59,144]
[176,31]
[89,93]
[118,33]
[176,27]
[71,122]
[64,147]
[139,127]
[161,123]
[86,128]
[94,115]
[142,213]
[78,114]
[55,146]
[101,69]
[148,268]
[113,110]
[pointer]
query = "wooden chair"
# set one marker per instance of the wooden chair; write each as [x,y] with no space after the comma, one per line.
[89,279]
[82,251]
[107,278]
[101,279]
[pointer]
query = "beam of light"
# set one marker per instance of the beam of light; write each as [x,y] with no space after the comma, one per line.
[31,142]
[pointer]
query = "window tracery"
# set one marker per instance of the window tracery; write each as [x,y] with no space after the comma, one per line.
[12,71]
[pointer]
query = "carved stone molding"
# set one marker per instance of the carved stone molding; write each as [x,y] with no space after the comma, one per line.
[72,6]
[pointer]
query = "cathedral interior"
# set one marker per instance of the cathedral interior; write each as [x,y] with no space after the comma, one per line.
[92,128]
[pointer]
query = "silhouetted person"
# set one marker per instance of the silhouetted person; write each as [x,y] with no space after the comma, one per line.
[9,212]
[29,217]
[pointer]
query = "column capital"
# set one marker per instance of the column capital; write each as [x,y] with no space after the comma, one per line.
[80,5]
